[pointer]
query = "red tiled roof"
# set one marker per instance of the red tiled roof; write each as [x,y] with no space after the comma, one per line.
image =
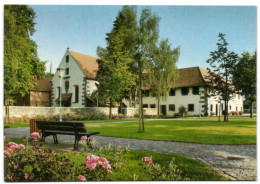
[87,64]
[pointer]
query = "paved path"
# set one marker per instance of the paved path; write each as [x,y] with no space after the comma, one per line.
[235,162]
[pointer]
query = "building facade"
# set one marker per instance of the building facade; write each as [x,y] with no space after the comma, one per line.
[78,81]
[190,90]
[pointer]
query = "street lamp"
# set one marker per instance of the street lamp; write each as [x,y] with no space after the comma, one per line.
[60,72]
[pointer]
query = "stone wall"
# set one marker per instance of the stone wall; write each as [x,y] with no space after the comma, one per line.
[20,111]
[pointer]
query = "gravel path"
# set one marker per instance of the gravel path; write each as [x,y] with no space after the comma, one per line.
[235,162]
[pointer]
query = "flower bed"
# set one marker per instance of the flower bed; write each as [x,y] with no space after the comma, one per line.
[31,161]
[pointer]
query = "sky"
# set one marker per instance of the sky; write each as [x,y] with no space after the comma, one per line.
[194,29]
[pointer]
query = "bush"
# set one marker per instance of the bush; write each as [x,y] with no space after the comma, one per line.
[182,110]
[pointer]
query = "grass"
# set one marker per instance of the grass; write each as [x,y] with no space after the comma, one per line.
[207,130]
[190,168]
[239,130]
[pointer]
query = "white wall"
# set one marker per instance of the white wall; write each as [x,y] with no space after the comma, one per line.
[236,104]
[178,100]
[20,111]
[76,77]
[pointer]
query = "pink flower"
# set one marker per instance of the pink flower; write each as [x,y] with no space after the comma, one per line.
[14,147]
[41,152]
[121,165]
[81,178]
[26,176]
[118,154]
[106,165]
[21,146]
[10,144]
[91,165]
[147,159]
[53,153]
[7,153]
[84,138]
[35,135]
[16,166]
[93,161]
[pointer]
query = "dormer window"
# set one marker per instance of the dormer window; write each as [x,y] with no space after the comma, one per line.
[67,58]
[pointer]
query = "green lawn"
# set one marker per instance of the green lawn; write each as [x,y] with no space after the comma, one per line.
[239,130]
[192,169]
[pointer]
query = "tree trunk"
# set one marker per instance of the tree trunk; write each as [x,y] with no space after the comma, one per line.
[142,113]
[219,111]
[158,107]
[225,111]
[140,110]
[251,109]
[110,108]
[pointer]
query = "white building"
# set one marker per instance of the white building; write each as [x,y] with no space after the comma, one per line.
[190,91]
[78,82]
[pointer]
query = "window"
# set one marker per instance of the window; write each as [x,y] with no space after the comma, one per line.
[58,92]
[195,90]
[67,58]
[172,92]
[190,107]
[172,107]
[185,91]
[67,86]
[152,106]
[230,107]
[145,105]
[76,88]
[146,93]
[211,107]
[67,71]
[238,97]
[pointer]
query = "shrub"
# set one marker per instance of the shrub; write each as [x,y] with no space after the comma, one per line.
[182,109]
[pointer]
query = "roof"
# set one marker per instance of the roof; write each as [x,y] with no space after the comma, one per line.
[43,84]
[87,64]
[189,77]
[64,97]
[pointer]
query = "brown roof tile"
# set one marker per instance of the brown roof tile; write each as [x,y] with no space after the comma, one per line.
[87,64]
[43,85]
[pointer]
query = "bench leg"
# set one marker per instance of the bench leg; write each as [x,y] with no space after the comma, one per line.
[76,143]
[55,138]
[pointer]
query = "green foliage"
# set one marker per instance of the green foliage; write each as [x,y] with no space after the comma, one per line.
[182,110]
[21,63]
[245,77]
[222,61]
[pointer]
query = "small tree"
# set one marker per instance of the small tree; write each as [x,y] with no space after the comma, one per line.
[245,78]
[182,110]
[222,62]
[163,72]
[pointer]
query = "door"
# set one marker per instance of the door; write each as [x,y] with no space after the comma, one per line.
[163,109]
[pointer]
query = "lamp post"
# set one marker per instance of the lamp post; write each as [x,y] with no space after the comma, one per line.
[60,72]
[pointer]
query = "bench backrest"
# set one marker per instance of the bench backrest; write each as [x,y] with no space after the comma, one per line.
[61,126]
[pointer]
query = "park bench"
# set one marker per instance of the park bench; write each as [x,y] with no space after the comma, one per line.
[53,128]
[177,115]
